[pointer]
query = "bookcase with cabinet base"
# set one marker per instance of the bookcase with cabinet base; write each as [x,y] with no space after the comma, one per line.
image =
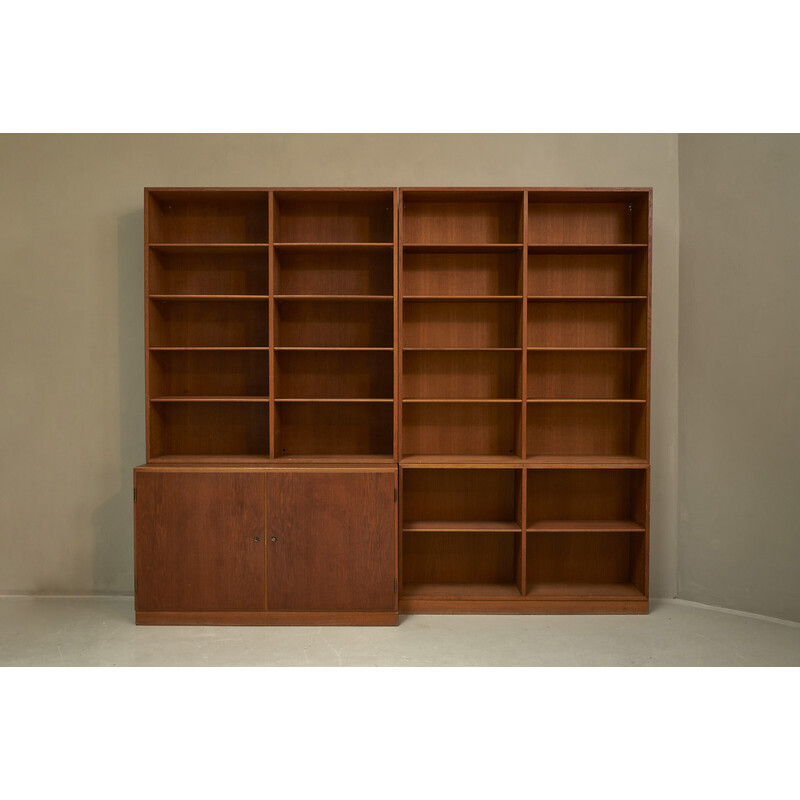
[365,402]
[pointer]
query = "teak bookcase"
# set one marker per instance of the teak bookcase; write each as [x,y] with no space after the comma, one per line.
[365,402]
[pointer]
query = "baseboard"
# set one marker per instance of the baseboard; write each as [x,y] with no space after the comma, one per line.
[722,610]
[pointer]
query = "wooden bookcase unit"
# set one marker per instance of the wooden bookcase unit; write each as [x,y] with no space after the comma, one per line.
[362,402]
[524,397]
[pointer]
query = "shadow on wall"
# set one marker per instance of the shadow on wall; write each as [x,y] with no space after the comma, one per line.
[112,522]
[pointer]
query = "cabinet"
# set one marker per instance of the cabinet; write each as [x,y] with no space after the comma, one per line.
[266,546]
[443,394]
[199,541]
[331,541]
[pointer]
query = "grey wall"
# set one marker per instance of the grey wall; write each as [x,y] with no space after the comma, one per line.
[739,445]
[71,307]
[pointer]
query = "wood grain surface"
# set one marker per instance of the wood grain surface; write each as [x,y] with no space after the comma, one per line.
[200,541]
[331,541]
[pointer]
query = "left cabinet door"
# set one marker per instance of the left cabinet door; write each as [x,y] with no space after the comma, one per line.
[200,541]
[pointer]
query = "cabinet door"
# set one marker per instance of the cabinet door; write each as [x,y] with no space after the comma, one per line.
[331,541]
[200,541]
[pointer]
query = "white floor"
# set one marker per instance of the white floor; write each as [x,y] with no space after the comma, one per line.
[100,632]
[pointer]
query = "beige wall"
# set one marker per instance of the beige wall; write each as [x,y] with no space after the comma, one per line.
[72,384]
[740,372]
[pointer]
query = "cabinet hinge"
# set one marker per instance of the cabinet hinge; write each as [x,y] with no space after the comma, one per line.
[395,495]
[135,584]
[395,585]
[134,494]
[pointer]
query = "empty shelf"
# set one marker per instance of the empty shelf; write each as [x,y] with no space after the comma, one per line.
[479,526]
[584,400]
[212,297]
[586,248]
[209,399]
[216,247]
[583,590]
[337,297]
[586,461]
[460,591]
[594,298]
[585,525]
[461,400]
[460,461]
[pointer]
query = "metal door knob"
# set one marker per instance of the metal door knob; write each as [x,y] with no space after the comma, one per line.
[274,539]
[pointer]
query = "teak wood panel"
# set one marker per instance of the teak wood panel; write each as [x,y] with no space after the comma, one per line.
[469,219]
[462,495]
[335,428]
[456,557]
[332,541]
[470,429]
[208,273]
[579,223]
[586,429]
[582,375]
[586,324]
[208,323]
[468,374]
[575,558]
[200,541]
[594,274]
[320,271]
[326,323]
[342,374]
[208,373]
[462,324]
[586,494]
[434,273]
[333,217]
[202,217]
[209,428]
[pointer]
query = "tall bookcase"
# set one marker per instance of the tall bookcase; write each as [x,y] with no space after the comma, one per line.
[486,351]
[524,399]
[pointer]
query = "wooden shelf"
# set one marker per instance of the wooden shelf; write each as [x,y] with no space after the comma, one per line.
[579,249]
[461,461]
[462,349]
[210,297]
[334,247]
[194,460]
[586,461]
[584,400]
[208,349]
[463,248]
[338,459]
[460,591]
[575,525]
[586,298]
[307,322]
[214,247]
[462,298]
[335,348]
[209,399]
[583,590]
[461,400]
[481,526]
[336,297]
[589,349]
[334,400]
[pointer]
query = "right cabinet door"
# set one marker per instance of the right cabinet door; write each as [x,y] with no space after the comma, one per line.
[331,541]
